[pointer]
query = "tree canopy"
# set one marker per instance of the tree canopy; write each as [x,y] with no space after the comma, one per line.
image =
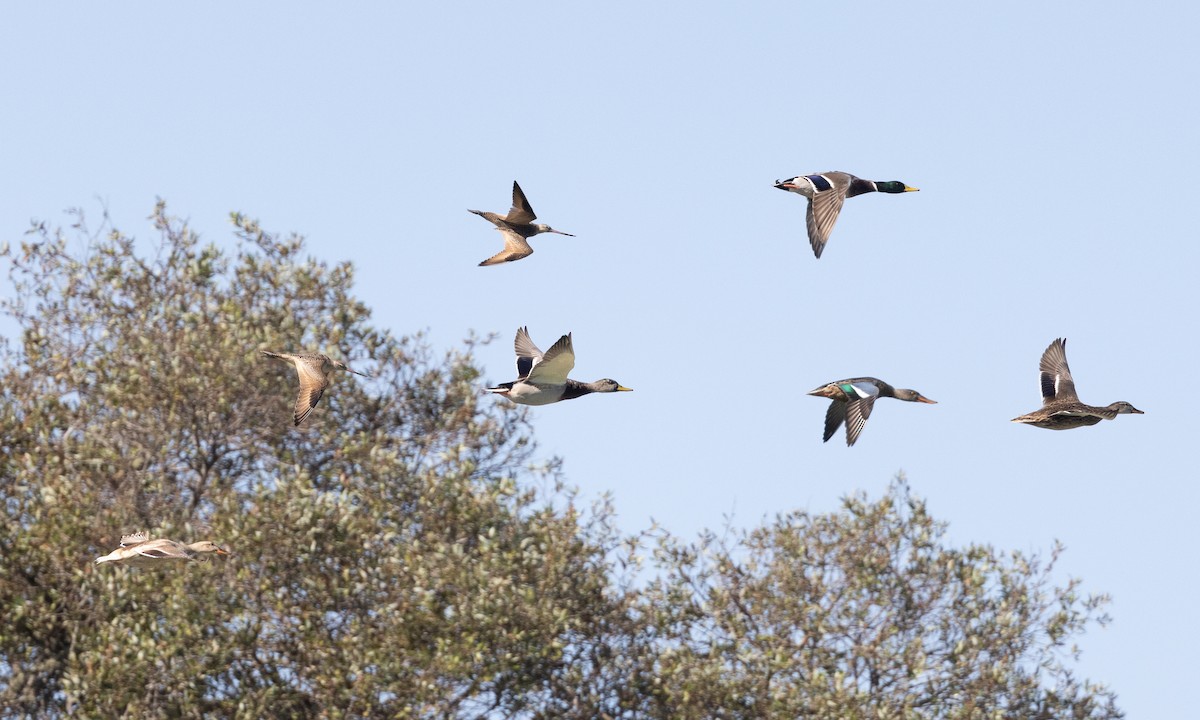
[407,553]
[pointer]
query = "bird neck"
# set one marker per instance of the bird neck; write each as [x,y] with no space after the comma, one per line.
[575,389]
[858,186]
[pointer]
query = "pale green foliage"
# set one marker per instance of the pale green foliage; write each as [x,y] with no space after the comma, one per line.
[866,613]
[386,560]
[399,557]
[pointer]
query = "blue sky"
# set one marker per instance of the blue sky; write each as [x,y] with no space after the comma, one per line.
[1055,146]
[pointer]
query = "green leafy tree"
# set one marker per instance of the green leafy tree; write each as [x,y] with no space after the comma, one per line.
[400,556]
[389,560]
[866,613]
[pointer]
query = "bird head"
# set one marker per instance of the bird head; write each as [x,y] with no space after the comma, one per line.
[894,186]
[913,396]
[609,385]
[208,546]
[342,366]
[548,229]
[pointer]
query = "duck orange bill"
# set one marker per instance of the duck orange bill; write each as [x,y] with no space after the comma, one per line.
[622,388]
[922,398]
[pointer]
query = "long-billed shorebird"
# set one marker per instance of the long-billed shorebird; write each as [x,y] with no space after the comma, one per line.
[517,226]
[826,192]
[139,549]
[853,400]
[314,372]
[1061,408]
[542,377]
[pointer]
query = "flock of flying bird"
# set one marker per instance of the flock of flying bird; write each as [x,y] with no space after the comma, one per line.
[542,377]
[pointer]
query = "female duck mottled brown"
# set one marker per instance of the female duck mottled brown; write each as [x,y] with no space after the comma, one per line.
[853,400]
[139,549]
[1061,409]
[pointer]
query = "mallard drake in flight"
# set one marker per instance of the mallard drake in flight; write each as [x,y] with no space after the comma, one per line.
[1061,409]
[826,192]
[139,549]
[517,226]
[542,377]
[853,400]
[314,372]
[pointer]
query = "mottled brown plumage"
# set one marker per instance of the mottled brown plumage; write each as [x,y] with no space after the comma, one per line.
[1061,408]
[314,372]
[517,227]
[138,549]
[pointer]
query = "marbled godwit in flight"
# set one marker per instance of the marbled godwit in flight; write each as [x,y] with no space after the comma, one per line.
[314,372]
[542,377]
[517,226]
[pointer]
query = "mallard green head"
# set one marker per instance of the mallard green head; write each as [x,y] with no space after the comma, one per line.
[893,186]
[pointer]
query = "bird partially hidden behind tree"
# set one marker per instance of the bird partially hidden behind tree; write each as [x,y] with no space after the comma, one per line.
[314,372]
[1061,408]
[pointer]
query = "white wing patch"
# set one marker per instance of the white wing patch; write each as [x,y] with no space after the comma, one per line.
[865,389]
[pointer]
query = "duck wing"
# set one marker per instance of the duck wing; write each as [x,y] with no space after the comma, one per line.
[1056,381]
[824,208]
[528,354]
[834,417]
[134,539]
[555,365]
[857,413]
[162,549]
